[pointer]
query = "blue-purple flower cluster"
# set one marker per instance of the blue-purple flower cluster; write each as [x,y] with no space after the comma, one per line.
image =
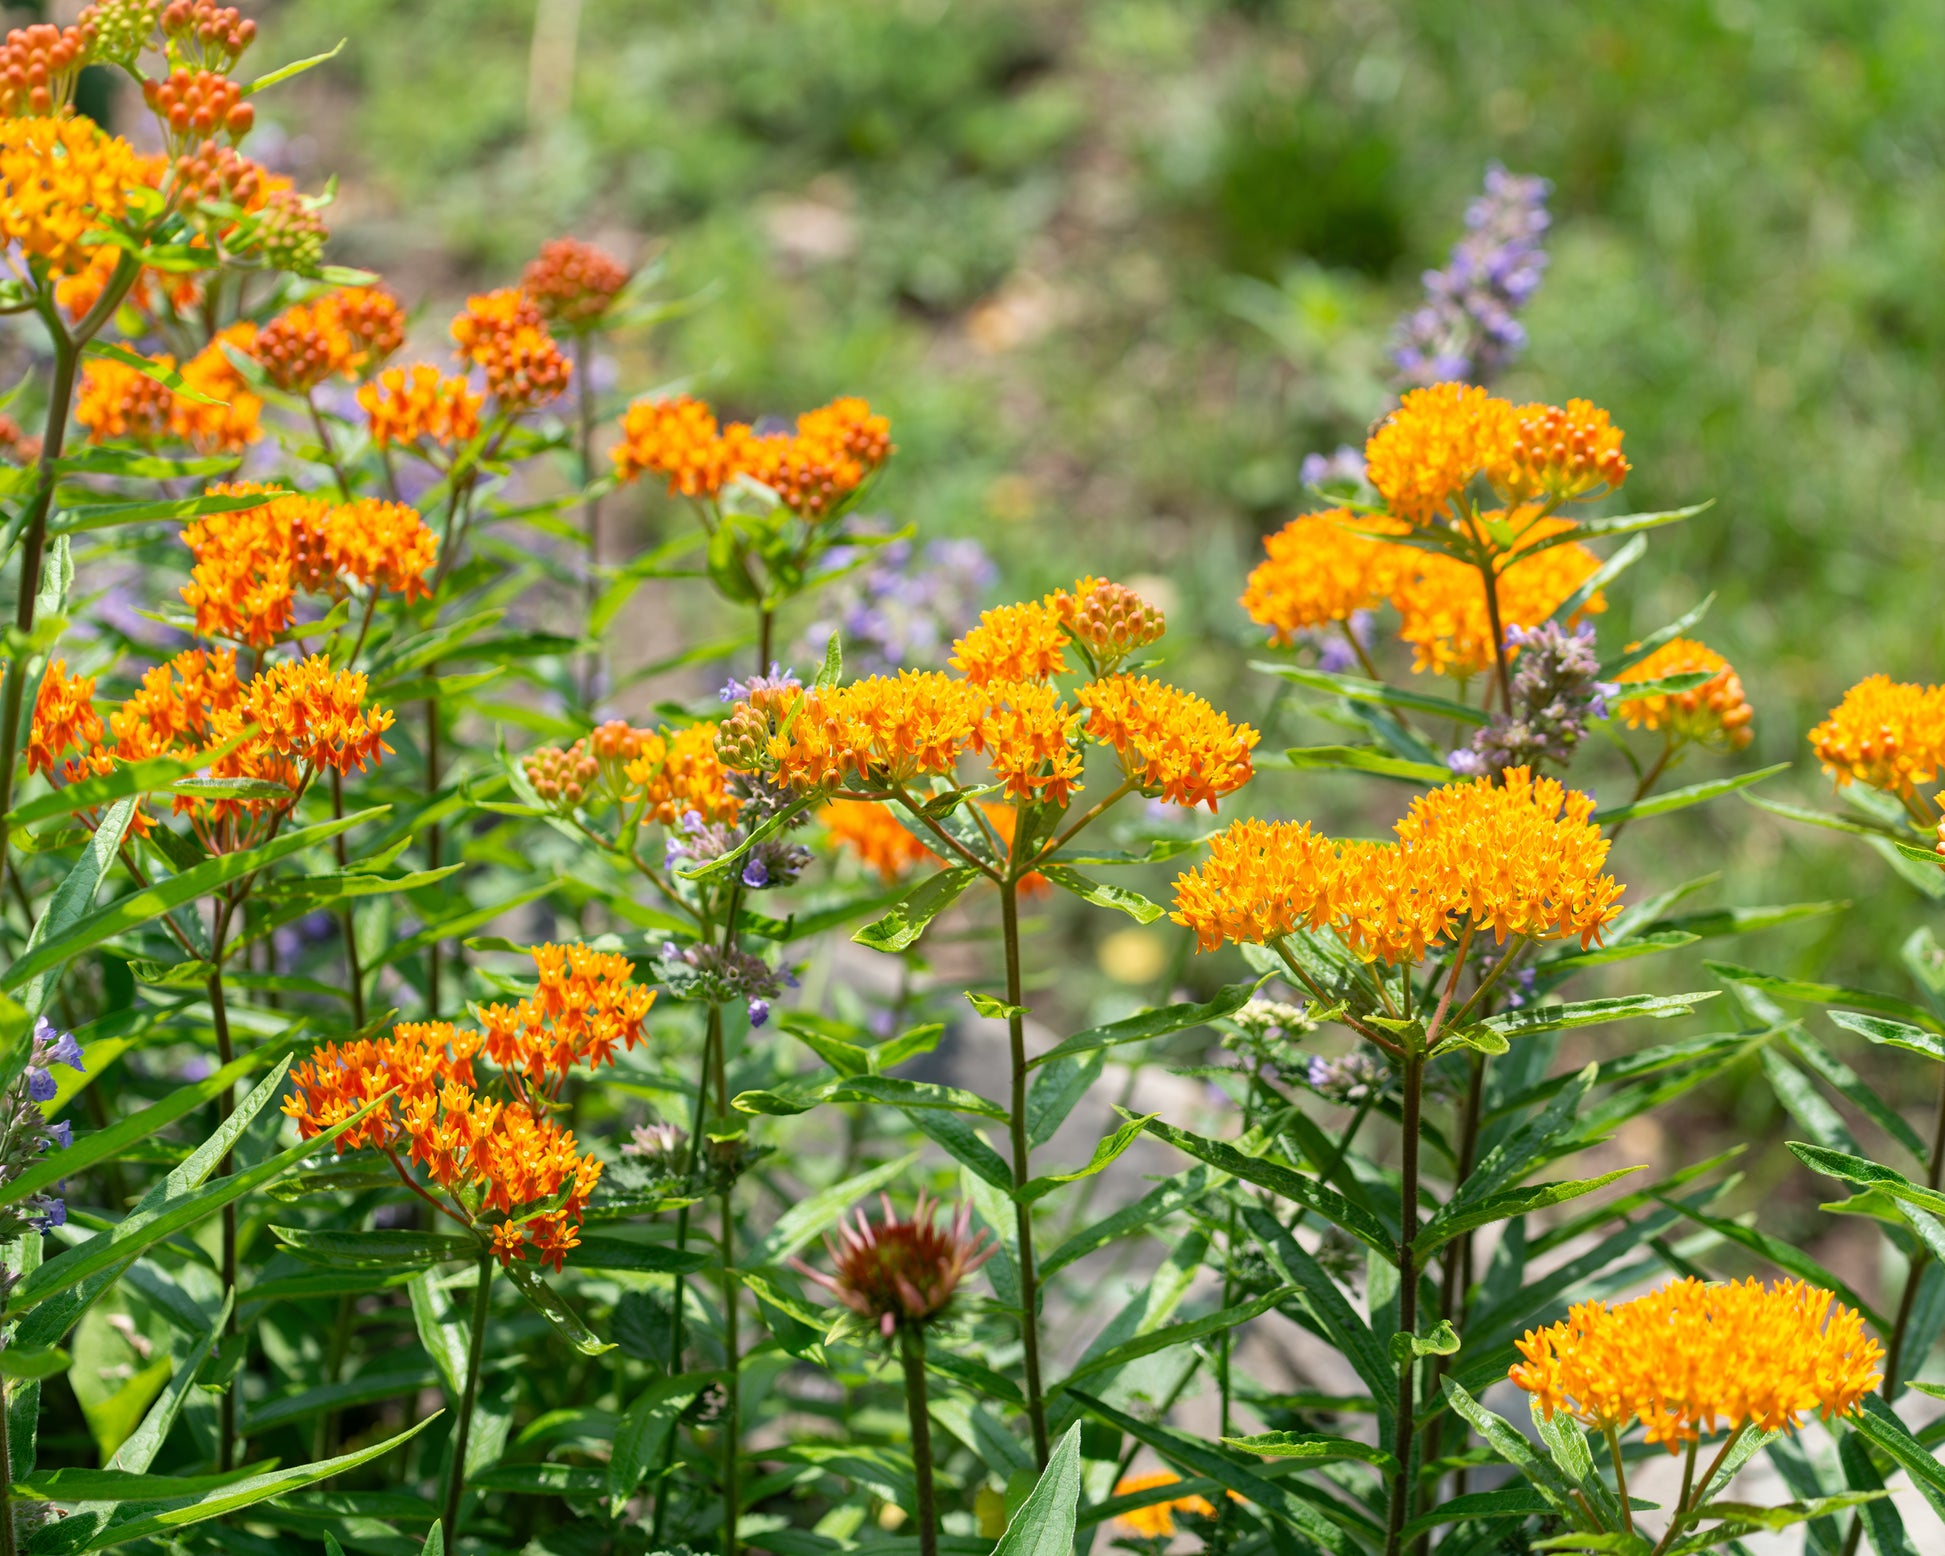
[904,610]
[1556,690]
[25,1133]
[1467,327]
[723,975]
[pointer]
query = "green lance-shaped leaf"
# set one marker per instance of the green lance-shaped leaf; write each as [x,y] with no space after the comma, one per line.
[1619,524]
[1824,993]
[1506,1204]
[1588,1013]
[1868,1174]
[136,909]
[1169,1336]
[899,928]
[77,516]
[145,777]
[644,1427]
[384,1249]
[1120,898]
[1879,1425]
[74,898]
[1511,1445]
[1514,1502]
[168,377]
[1358,689]
[553,1307]
[1893,1034]
[1283,1181]
[1364,759]
[1104,1153]
[1169,1197]
[806,1219]
[1617,951]
[964,1144]
[1316,1447]
[1153,1023]
[895,1091]
[1044,1525]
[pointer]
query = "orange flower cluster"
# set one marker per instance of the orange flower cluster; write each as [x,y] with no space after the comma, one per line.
[251,563]
[1441,602]
[196,104]
[832,451]
[117,403]
[64,716]
[407,405]
[347,332]
[1888,734]
[917,722]
[1157,1520]
[672,773]
[501,333]
[61,179]
[17,446]
[1714,713]
[1171,742]
[1027,734]
[498,1155]
[573,283]
[1322,568]
[1520,859]
[39,66]
[1025,642]
[1440,438]
[1691,1358]
[1109,620]
[869,829]
[583,1009]
[214,173]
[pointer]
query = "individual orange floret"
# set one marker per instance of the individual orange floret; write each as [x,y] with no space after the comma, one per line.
[1027,735]
[1441,601]
[39,66]
[1109,620]
[60,180]
[1026,642]
[1322,568]
[1428,451]
[672,773]
[502,334]
[346,332]
[1888,734]
[407,405]
[64,716]
[1156,1521]
[1692,1358]
[677,438]
[1714,713]
[1560,455]
[572,283]
[1172,743]
[585,1007]
[196,104]
[869,829]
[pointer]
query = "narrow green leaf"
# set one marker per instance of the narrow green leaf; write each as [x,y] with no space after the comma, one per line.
[1358,689]
[899,928]
[1315,1446]
[168,377]
[1152,1023]
[1879,1425]
[1587,1013]
[1514,1502]
[1511,1445]
[284,73]
[803,1221]
[1507,1204]
[1168,1336]
[1167,1198]
[1824,993]
[1365,759]
[1893,1034]
[385,1249]
[553,1307]
[644,1427]
[1044,1525]
[894,1091]
[1132,903]
[1104,1153]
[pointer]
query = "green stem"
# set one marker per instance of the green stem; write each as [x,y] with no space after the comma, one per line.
[732,1426]
[433,843]
[1689,1508]
[219,1017]
[463,1429]
[1407,1403]
[590,506]
[1017,1128]
[912,1349]
[1504,677]
[7,1545]
[346,923]
[1620,1478]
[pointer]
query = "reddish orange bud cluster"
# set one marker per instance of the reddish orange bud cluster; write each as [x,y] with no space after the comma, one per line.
[1028,642]
[1561,454]
[1109,619]
[196,104]
[502,334]
[1714,713]
[346,332]
[215,173]
[17,446]
[573,283]
[407,405]
[562,777]
[39,66]
[203,33]
[834,448]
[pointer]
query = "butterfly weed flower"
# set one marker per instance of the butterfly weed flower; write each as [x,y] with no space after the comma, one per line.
[61,179]
[193,104]
[346,333]
[1320,570]
[502,334]
[1428,451]
[1691,1359]
[1156,1521]
[64,717]
[584,1007]
[1715,713]
[1108,621]
[573,284]
[1172,744]
[870,831]
[1887,734]
[117,403]
[1025,642]
[416,405]
[1560,455]
[1026,734]
[205,35]
[39,66]
[1443,613]
[901,1272]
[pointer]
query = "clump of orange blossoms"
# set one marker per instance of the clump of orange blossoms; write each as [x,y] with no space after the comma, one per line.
[196,104]
[1108,620]
[1560,455]
[347,332]
[502,334]
[1026,734]
[64,716]
[1025,642]
[667,773]
[1441,602]
[1172,743]
[39,66]
[870,830]
[1693,1358]
[408,405]
[1714,713]
[60,180]
[116,403]
[573,284]
[1520,858]
[897,727]
[833,450]
[1888,734]
[584,1008]
[1319,569]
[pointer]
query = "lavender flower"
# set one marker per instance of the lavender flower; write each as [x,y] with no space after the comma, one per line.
[1466,327]
[1358,1075]
[1343,466]
[50,1048]
[773,862]
[905,608]
[723,975]
[1555,693]
[26,1135]
[780,676]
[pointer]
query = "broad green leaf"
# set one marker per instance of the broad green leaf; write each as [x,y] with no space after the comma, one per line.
[442,1331]
[1104,1153]
[136,909]
[595,1252]
[993,1009]
[1587,1013]
[554,1308]
[644,1427]
[1651,944]
[964,1144]
[1132,903]
[1893,1034]
[1285,1182]
[1314,1446]
[16,1363]
[899,928]
[1055,1090]
[894,1091]
[1044,1525]
[384,1249]
[1152,1023]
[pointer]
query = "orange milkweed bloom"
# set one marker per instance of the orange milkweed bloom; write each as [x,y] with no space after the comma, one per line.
[1322,568]
[383,545]
[1889,734]
[39,66]
[672,773]
[116,403]
[1171,742]
[1428,450]
[60,180]
[1109,620]
[917,722]
[573,283]
[196,104]
[64,716]
[1714,713]
[119,405]
[1441,602]
[869,829]
[1559,455]
[1026,734]
[407,405]
[1025,642]
[502,334]
[585,1006]
[834,448]
[1692,1358]
[677,438]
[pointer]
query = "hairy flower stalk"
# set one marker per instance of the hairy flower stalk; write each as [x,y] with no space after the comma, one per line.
[900,1276]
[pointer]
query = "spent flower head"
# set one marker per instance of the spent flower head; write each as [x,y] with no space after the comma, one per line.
[902,1273]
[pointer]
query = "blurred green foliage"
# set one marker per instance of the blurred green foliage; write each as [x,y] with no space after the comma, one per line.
[1114,266]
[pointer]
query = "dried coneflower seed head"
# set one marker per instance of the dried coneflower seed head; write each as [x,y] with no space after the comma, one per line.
[902,1273]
